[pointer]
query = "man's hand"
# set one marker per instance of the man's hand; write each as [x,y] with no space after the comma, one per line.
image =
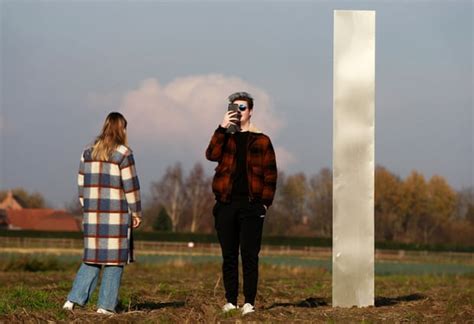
[229,119]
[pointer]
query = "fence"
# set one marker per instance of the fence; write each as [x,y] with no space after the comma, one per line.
[67,245]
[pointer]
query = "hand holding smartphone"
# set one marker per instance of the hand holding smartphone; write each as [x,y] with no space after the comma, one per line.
[233,128]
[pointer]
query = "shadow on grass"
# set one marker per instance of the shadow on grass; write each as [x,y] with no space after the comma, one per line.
[390,301]
[311,302]
[153,305]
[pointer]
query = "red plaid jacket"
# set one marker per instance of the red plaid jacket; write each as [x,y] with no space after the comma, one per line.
[261,165]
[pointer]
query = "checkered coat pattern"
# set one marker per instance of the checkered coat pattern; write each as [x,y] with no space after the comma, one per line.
[109,193]
[261,165]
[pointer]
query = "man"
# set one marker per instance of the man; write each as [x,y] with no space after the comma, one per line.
[244,185]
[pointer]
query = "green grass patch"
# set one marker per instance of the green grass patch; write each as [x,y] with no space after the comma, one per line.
[36,262]
[32,264]
[22,297]
[194,293]
[314,289]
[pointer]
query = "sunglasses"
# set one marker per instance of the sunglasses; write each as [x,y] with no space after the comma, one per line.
[242,107]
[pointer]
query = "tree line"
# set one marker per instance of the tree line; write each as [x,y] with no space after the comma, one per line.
[410,210]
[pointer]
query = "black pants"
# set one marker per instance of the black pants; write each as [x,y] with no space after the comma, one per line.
[239,223]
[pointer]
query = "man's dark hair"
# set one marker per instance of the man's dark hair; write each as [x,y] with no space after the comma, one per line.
[242,96]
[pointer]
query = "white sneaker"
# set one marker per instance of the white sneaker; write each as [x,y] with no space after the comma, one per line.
[104,311]
[247,308]
[68,305]
[228,307]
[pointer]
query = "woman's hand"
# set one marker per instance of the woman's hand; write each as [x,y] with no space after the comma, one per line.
[136,221]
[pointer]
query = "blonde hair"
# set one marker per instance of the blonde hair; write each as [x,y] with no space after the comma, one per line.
[113,134]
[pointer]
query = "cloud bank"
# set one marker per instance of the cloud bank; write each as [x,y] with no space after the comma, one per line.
[186,111]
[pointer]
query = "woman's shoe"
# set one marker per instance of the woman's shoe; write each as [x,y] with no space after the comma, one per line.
[68,305]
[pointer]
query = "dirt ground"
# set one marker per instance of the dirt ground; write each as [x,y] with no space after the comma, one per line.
[193,293]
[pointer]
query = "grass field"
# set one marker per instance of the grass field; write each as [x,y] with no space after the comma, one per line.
[181,291]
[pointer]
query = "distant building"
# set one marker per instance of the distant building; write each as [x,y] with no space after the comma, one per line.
[42,219]
[14,217]
[10,202]
[3,219]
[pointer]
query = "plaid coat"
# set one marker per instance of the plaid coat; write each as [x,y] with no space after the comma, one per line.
[109,192]
[261,165]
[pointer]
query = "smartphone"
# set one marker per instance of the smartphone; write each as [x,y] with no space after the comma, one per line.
[234,128]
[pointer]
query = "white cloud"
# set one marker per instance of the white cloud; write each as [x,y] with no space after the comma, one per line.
[180,117]
[187,110]
[284,157]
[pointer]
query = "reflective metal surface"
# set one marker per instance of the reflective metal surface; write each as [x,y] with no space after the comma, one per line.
[353,158]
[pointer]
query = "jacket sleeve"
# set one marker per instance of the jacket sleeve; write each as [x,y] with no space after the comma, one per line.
[215,148]
[131,185]
[80,181]
[270,174]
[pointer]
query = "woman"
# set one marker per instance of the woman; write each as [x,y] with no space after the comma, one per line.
[109,193]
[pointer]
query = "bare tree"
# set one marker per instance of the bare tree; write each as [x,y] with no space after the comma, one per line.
[320,202]
[294,191]
[73,207]
[287,216]
[465,203]
[199,196]
[169,193]
[277,221]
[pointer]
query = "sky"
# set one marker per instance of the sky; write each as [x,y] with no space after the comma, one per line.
[169,67]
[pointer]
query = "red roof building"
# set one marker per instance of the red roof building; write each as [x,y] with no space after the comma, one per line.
[14,217]
[42,219]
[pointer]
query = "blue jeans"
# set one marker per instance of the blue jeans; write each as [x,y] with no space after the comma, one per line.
[86,281]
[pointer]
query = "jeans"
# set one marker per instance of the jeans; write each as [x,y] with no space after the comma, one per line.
[86,281]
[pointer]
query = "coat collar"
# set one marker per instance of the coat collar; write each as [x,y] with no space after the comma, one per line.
[254,129]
